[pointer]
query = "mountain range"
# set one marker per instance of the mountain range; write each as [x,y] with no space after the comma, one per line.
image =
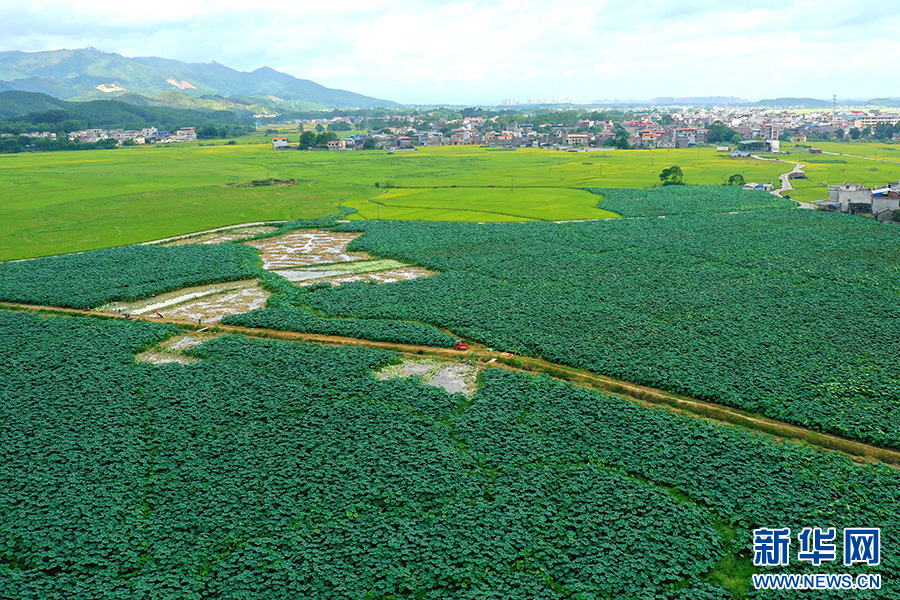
[88,74]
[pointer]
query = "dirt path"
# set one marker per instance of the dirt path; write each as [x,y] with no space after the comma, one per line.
[785,179]
[644,395]
[216,230]
[862,157]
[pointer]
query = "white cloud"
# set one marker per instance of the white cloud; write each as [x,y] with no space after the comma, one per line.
[470,50]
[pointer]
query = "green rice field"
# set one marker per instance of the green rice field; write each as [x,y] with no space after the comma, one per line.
[872,164]
[66,201]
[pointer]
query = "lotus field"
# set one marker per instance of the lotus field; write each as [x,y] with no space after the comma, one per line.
[263,468]
[283,469]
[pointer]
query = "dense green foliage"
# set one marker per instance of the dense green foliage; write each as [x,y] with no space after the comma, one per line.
[746,480]
[107,114]
[719,134]
[23,143]
[695,199]
[379,330]
[784,312]
[672,175]
[130,273]
[273,469]
[90,279]
[287,310]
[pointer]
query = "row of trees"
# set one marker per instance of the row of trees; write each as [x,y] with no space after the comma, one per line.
[675,176]
[309,139]
[22,143]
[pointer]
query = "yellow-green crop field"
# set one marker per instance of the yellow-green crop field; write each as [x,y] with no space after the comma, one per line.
[59,202]
[870,163]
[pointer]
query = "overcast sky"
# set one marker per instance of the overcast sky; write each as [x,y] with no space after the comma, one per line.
[474,51]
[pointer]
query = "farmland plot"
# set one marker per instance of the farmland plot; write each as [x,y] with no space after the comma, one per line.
[284,469]
[776,311]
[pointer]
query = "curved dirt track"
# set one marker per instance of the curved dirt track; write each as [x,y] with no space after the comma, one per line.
[644,395]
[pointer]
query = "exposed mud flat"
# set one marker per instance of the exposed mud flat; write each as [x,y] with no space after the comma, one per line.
[172,349]
[378,270]
[456,378]
[229,235]
[208,303]
[390,276]
[307,247]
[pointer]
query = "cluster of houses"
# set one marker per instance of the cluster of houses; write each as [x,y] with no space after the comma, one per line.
[472,130]
[682,128]
[148,135]
[857,199]
[49,135]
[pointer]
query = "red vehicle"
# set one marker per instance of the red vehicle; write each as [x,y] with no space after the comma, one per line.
[461,345]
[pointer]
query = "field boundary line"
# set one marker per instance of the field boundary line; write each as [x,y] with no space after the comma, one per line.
[640,394]
[217,229]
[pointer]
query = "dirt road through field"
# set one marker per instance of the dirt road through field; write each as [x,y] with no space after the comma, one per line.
[644,395]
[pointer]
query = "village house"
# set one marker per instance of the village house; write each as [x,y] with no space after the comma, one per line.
[185,134]
[577,139]
[856,199]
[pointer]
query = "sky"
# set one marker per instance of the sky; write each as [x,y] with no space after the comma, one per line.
[482,52]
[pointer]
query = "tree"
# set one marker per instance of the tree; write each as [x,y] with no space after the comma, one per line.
[207,132]
[665,120]
[619,140]
[883,131]
[307,139]
[320,128]
[369,144]
[736,179]
[672,176]
[323,138]
[855,133]
[719,133]
[839,134]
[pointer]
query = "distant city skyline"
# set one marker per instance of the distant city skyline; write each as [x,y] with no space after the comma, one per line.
[482,52]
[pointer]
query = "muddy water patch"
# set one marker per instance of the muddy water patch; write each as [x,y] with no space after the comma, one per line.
[389,276]
[316,273]
[307,247]
[208,303]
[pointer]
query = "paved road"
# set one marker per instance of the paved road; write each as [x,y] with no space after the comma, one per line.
[785,178]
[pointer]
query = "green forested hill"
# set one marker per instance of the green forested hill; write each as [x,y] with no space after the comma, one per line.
[90,73]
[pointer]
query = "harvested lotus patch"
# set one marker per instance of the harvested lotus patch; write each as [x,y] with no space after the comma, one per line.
[389,276]
[229,235]
[307,247]
[456,378]
[343,268]
[172,349]
[208,303]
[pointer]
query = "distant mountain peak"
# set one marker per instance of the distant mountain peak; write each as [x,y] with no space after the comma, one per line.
[77,74]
